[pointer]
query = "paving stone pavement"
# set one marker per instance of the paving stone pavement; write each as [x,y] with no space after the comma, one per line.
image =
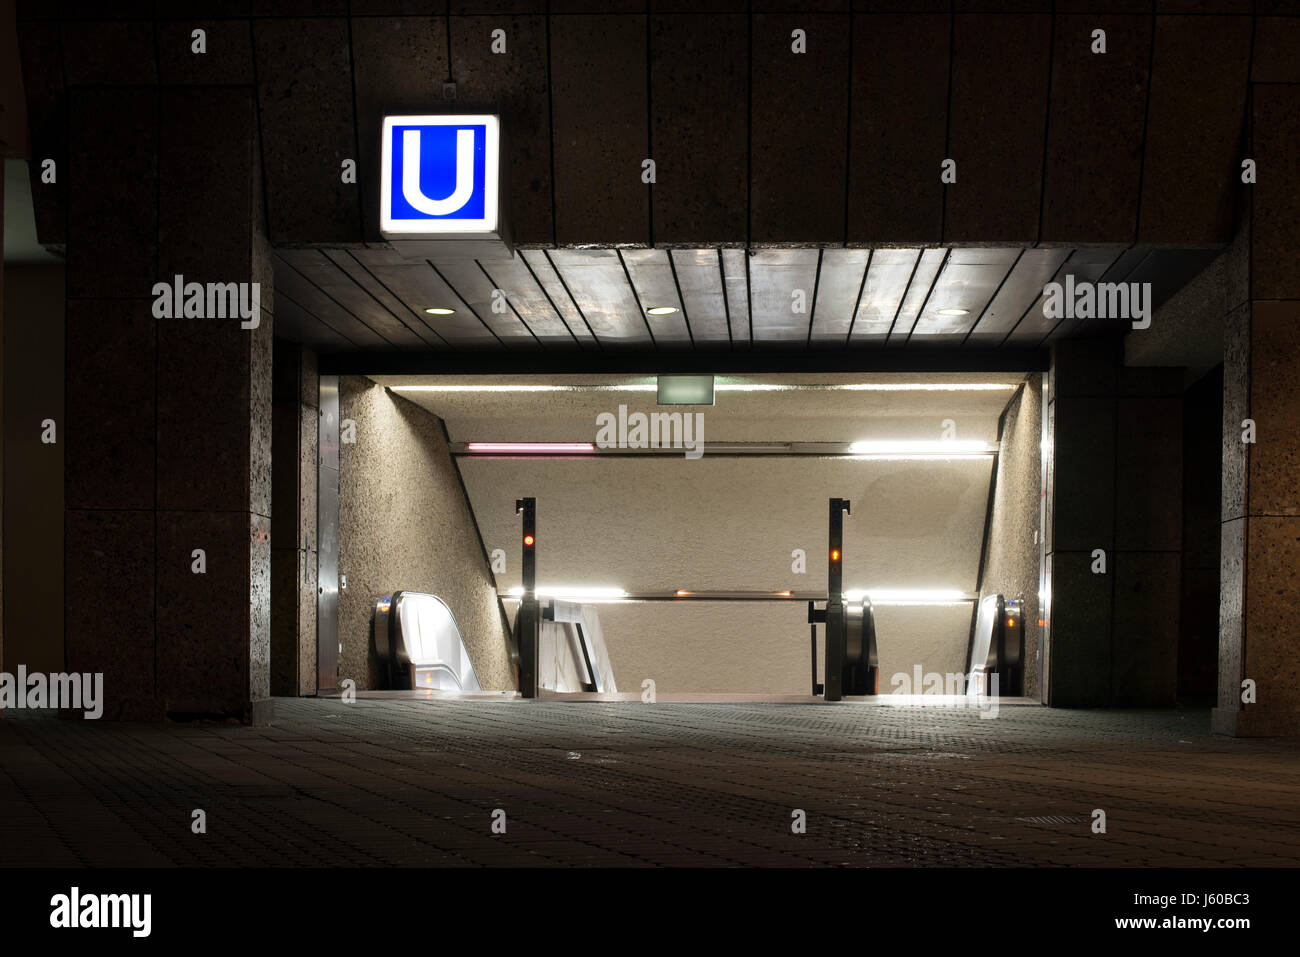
[409,782]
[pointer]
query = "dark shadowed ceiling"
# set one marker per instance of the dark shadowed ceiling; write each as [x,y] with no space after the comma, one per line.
[368,300]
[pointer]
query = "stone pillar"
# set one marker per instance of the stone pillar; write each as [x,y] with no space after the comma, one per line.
[295,443]
[1259,638]
[3,152]
[1198,651]
[1114,528]
[168,419]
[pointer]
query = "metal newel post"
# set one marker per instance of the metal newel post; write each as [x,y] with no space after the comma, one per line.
[529,611]
[836,619]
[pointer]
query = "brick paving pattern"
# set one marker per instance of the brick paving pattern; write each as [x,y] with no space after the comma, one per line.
[409,782]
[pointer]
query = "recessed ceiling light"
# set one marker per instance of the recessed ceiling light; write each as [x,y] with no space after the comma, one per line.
[953,312]
[440,311]
[661,311]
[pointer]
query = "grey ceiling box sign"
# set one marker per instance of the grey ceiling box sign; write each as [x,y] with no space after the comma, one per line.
[685,390]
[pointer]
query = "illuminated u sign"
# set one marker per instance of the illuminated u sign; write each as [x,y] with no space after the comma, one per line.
[440,176]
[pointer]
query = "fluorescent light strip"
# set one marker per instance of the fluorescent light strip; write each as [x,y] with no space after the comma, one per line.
[529,448]
[729,387]
[940,447]
[927,604]
[910,596]
[880,387]
[574,594]
[864,451]
[923,457]
[524,388]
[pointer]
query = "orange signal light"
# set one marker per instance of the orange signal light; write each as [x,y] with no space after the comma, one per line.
[835,554]
[528,539]
[1011,623]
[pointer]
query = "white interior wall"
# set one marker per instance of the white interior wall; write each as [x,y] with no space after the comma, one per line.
[656,524]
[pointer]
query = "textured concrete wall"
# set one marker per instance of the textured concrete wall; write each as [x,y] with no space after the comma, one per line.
[729,523]
[1260,557]
[2,326]
[1188,329]
[294,538]
[168,433]
[1009,90]
[1011,563]
[33,470]
[404,523]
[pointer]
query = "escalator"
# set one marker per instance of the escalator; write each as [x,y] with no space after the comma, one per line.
[419,644]
[995,664]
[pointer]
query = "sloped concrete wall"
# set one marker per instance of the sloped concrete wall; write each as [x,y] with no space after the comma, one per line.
[405,523]
[1012,559]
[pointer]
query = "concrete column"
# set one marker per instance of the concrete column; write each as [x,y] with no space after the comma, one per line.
[1198,652]
[294,536]
[1147,570]
[169,419]
[3,152]
[13,121]
[32,468]
[1259,639]
[1114,529]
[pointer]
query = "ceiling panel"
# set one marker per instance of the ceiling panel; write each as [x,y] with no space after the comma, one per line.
[420,288]
[888,276]
[548,280]
[1127,261]
[1022,288]
[968,286]
[472,286]
[294,323]
[373,299]
[775,275]
[340,287]
[1168,270]
[372,255]
[735,280]
[918,293]
[292,285]
[656,286]
[838,287]
[530,303]
[346,261]
[699,276]
[599,286]
[1085,265]
[984,256]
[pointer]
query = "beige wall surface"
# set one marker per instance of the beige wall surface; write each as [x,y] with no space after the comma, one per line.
[730,523]
[763,647]
[404,523]
[1011,568]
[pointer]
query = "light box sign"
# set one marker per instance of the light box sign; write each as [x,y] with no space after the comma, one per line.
[441,177]
[685,390]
